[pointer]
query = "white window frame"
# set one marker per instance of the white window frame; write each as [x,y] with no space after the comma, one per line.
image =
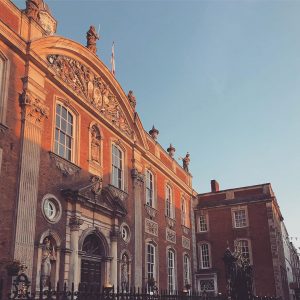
[113,167]
[211,276]
[201,255]
[73,137]
[206,222]
[154,263]
[169,202]
[150,188]
[4,82]
[186,270]
[234,211]
[239,240]
[171,271]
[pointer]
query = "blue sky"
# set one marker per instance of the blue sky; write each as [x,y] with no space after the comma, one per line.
[220,79]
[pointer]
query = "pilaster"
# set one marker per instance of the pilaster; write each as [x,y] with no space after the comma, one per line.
[34,111]
[138,184]
[114,254]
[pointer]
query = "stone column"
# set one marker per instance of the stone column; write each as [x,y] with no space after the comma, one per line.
[33,113]
[114,254]
[138,180]
[74,266]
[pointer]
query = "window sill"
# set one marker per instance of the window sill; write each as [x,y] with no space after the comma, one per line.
[170,222]
[65,166]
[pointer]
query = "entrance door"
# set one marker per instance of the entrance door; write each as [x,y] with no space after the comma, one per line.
[90,271]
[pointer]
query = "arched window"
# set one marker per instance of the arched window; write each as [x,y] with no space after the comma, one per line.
[117,167]
[184,212]
[149,188]
[205,259]
[64,133]
[95,144]
[151,262]
[186,270]
[171,270]
[169,202]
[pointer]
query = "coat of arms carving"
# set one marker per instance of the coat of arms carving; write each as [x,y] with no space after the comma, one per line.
[92,88]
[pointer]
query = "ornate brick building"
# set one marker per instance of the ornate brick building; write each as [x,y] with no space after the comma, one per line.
[247,220]
[86,193]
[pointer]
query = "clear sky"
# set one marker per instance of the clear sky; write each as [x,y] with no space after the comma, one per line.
[220,79]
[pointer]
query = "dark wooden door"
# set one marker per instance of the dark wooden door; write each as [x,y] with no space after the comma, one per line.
[90,271]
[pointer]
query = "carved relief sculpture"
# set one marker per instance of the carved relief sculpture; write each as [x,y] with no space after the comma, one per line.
[95,144]
[92,38]
[132,99]
[48,257]
[91,87]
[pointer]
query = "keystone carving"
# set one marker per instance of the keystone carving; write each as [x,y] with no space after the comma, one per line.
[33,109]
[138,177]
[92,88]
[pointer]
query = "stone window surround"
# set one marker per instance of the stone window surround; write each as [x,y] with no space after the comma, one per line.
[249,247]
[122,148]
[171,248]
[205,214]
[151,241]
[209,276]
[76,128]
[58,208]
[237,208]
[200,255]
[185,254]
[126,227]
[154,195]
[172,204]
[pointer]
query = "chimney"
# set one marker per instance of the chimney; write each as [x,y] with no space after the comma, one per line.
[214,186]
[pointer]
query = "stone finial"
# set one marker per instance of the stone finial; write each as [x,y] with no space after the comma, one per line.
[171,150]
[186,162]
[92,37]
[132,99]
[154,133]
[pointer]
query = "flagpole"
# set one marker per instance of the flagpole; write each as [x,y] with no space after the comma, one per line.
[113,67]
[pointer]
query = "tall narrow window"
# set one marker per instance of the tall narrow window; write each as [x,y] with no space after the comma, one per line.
[4,79]
[64,133]
[243,248]
[240,218]
[183,212]
[117,167]
[151,268]
[203,222]
[171,271]
[169,203]
[186,270]
[149,189]
[205,256]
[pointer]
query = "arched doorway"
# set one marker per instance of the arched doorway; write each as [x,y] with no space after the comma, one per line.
[91,260]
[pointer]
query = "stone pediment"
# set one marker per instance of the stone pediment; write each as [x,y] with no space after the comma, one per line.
[96,197]
[92,88]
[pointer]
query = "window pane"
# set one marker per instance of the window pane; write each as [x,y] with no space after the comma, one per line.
[63,125]
[62,138]
[64,113]
[61,150]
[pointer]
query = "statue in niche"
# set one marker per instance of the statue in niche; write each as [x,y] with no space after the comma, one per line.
[92,38]
[186,162]
[48,257]
[95,144]
[124,272]
[131,98]
[33,9]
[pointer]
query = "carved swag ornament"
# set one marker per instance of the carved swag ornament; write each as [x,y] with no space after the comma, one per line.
[92,87]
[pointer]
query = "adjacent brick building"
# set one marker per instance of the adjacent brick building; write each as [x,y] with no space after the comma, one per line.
[86,193]
[247,219]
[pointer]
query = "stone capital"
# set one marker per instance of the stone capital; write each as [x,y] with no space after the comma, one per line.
[137,177]
[75,223]
[33,109]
